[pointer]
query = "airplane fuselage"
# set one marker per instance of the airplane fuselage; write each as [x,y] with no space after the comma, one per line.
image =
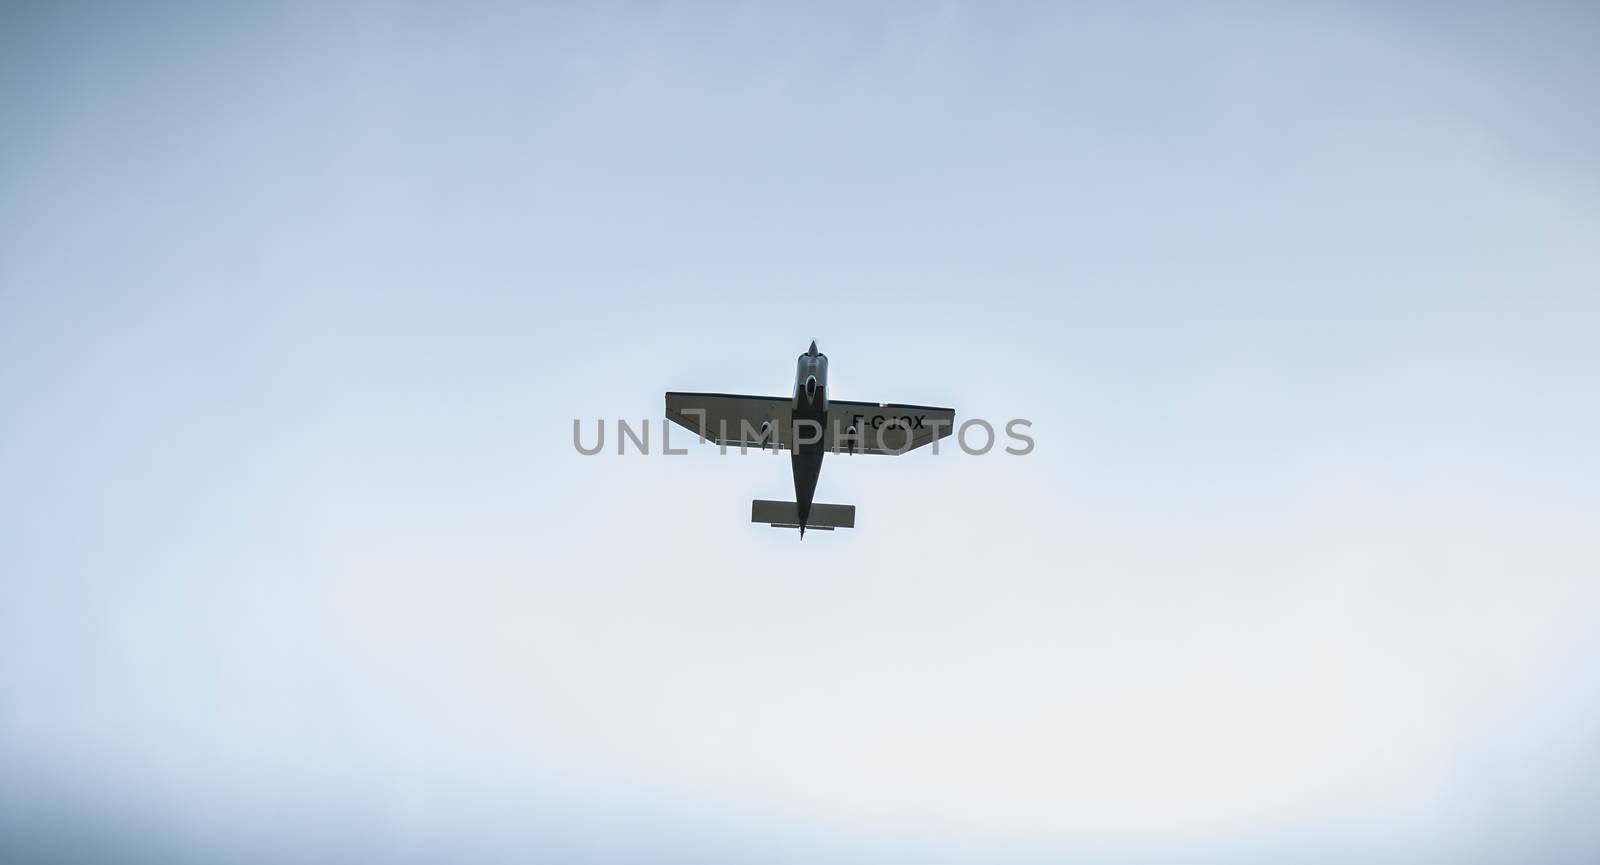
[809,418]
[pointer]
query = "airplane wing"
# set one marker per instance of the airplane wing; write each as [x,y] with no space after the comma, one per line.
[733,420]
[736,420]
[884,428]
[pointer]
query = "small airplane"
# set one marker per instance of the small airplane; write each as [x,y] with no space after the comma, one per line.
[808,425]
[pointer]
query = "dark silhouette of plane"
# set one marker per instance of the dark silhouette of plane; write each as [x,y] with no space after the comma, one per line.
[808,425]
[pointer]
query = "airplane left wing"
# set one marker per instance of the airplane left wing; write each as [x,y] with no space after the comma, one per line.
[733,420]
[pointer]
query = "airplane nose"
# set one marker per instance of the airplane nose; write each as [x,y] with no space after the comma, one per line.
[813,350]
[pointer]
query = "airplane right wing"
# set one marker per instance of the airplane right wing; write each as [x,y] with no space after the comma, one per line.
[885,428]
[733,420]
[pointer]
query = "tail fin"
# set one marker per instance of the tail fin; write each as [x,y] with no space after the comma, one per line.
[786,515]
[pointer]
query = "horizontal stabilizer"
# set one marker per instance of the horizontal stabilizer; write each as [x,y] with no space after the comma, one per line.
[786,515]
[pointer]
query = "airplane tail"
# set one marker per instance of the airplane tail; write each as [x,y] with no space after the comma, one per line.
[786,515]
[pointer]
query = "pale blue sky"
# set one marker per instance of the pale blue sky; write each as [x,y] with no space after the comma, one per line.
[298,563]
